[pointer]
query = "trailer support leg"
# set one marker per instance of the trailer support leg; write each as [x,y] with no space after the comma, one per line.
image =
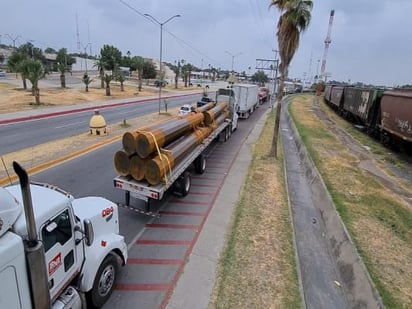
[127,198]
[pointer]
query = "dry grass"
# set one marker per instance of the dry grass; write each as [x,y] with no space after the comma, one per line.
[379,221]
[257,268]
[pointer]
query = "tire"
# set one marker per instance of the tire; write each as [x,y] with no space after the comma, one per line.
[185,184]
[200,164]
[104,282]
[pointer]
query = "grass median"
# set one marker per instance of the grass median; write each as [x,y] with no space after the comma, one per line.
[257,268]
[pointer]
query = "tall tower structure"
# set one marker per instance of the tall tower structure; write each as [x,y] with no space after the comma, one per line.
[327,43]
[78,35]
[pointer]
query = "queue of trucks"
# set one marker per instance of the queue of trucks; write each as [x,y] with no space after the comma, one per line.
[61,252]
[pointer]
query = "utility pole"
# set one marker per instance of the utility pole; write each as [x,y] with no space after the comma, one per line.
[233,58]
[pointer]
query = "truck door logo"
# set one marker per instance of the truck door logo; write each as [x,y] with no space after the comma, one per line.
[108,213]
[55,263]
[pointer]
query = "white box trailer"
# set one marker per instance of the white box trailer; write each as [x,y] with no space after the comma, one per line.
[247,99]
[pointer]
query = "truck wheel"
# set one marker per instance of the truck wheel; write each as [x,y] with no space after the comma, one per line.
[200,164]
[103,282]
[187,182]
[227,134]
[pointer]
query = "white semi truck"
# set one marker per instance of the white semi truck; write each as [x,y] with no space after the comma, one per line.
[247,98]
[56,251]
[179,179]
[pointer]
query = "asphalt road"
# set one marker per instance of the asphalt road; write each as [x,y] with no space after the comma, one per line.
[21,135]
[93,173]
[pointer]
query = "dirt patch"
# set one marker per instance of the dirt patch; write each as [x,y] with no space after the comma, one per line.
[13,99]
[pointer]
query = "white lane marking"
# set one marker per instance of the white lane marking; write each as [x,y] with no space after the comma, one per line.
[70,124]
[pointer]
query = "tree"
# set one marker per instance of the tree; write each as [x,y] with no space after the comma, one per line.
[87,80]
[176,70]
[120,78]
[295,18]
[187,71]
[2,58]
[19,55]
[50,50]
[99,64]
[34,71]
[137,64]
[14,63]
[107,79]
[260,77]
[111,58]
[64,61]
[149,70]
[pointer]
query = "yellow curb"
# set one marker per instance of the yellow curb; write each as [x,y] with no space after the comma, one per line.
[45,165]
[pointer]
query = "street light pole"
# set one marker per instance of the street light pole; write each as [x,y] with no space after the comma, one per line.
[233,57]
[14,40]
[85,55]
[161,48]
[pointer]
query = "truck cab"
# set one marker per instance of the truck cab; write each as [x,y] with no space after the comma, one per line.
[81,241]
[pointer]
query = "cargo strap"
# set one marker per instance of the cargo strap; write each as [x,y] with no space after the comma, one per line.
[161,156]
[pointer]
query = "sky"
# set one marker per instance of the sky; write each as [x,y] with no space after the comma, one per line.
[371,40]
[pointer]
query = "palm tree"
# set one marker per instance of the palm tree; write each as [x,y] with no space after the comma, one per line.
[137,63]
[176,70]
[295,18]
[87,80]
[119,76]
[107,79]
[14,63]
[64,62]
[99,64]
[34,71]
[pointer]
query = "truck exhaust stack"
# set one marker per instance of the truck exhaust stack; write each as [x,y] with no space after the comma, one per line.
[35,256]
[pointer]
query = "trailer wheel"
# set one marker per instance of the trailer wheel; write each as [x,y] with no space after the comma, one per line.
[200,164]
[183,184]
[103,282]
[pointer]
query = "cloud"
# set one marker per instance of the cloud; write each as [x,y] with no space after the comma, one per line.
[370,39]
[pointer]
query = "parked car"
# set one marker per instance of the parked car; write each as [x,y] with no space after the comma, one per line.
[2,73]
[203,101]
[186,109]
[159,82]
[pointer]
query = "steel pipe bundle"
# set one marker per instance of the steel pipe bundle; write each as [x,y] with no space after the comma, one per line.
[164,133]
[160,165]
[122,162]
[214,112]
[129,141]
[173,138]
[220,119]
[205,107]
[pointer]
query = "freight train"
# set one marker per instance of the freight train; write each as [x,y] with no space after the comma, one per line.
[384,114]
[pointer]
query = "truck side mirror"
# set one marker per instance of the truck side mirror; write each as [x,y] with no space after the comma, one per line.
[88,232]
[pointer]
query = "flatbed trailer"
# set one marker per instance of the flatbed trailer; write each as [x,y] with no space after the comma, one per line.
[179,177]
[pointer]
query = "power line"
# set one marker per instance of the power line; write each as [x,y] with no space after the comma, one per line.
[172,34]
